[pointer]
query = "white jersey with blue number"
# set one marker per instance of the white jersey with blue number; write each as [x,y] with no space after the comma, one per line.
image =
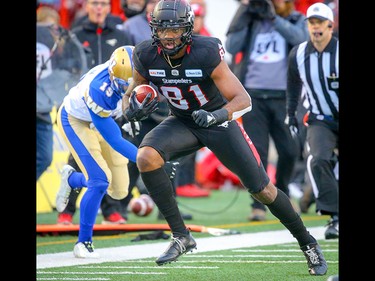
[93,91]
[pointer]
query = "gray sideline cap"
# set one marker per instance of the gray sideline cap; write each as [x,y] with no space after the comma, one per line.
[319,11]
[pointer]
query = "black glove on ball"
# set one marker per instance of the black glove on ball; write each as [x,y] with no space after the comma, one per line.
[137,112]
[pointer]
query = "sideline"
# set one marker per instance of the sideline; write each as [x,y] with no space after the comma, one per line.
[207,244]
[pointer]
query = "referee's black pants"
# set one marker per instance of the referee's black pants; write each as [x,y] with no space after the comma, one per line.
[322,142]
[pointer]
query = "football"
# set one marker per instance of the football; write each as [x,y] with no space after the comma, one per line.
[141,92]
[142,206]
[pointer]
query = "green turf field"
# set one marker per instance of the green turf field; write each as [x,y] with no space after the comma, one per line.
[223,209]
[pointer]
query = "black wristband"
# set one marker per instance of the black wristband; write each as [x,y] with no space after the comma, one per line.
[221,115]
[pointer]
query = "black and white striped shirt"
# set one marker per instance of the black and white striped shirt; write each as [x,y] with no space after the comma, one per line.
[319,74]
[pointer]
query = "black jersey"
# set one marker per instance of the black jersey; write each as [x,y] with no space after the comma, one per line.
[188,86]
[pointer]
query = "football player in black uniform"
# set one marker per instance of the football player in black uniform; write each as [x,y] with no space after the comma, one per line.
[205,99]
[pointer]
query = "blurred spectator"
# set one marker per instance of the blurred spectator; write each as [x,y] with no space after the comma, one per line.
[98,32]
[132,8]
[47,21]
[46,16]
[137,27]
[100,37]
[60,62]
[82,16]
[72,12]
[260,37]
[199,8]
[68,10]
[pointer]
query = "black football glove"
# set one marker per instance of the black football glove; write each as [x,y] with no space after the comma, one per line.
[205,119]
[170,168]
[292,123]
[137,112]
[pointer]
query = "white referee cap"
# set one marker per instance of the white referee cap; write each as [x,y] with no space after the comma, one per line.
[320,11]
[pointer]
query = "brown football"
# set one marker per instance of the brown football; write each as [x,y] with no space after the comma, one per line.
[142,90]
[142,206]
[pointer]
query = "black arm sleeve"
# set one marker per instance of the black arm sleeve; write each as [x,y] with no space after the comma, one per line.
[294,83]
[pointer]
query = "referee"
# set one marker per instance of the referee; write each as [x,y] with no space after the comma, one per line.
[314,65]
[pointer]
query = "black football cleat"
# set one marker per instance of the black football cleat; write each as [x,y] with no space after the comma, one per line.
[315,259]
[179,245]
[332,231]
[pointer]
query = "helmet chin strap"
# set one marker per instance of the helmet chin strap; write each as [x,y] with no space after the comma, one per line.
[174,51]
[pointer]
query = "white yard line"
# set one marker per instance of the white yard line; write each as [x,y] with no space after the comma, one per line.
[116,254]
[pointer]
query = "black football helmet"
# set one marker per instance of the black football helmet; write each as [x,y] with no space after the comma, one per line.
[172,14]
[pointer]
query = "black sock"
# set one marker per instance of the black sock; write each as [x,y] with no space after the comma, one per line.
[160,189]
[283,210]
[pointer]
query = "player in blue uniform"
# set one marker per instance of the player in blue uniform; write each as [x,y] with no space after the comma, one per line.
[205,99]
[86,121]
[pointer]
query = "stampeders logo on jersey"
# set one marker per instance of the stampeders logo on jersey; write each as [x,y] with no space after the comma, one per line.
[156,72]
[175,72]
[193,73]
[177,81]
